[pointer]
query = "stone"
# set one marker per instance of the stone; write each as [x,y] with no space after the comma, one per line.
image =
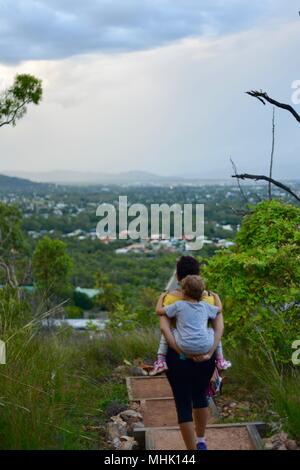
[127,443]
[281,447]
[131,416]
[283,437]
[116,443]
[138,425]
[291,445]
[120,370]
[268,446]
[138,371]
[116,428]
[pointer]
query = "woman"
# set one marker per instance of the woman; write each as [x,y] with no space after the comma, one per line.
[190,378]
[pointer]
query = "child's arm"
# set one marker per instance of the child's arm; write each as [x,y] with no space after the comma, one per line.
[160,310]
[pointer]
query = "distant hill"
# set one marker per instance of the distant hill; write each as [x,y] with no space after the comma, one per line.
[66,177]
[77,177]
[14,184]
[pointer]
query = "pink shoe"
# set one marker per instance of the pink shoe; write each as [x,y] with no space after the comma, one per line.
[159,367]
[222,364]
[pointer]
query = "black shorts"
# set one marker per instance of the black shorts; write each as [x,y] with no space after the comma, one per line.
[189,381]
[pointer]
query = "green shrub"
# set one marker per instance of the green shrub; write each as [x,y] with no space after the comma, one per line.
[259,279]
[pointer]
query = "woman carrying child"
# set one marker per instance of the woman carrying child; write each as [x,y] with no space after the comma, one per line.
[191,351]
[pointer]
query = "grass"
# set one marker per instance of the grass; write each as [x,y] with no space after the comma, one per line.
[56,387]
[271,389]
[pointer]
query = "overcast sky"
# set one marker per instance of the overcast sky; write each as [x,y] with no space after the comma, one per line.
[154,85]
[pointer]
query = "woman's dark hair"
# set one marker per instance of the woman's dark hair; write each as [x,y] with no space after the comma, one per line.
[186,266]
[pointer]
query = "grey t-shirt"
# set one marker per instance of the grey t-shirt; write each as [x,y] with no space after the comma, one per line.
[192,333]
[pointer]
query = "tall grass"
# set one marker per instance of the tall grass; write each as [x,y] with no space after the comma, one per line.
[55,387]
[271,384]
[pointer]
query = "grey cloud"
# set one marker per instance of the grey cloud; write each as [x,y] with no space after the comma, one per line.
[54,29]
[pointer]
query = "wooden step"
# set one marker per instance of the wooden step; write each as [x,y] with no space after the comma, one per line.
[140,388]
[157,403]
[219,437]
[159,412]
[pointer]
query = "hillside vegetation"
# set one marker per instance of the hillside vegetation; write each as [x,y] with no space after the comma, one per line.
[57,387]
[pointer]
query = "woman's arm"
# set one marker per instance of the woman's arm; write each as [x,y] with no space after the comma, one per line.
[160,305]
[218,326]
[166,331]
[217,300]
[217,323]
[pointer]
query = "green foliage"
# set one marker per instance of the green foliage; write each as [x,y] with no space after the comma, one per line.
[129,307]
[13,246]
[82,300]
[110,293]
[271,224]
[26,89]
[122,317]
[52,266]
[259,279]
[11,235]
[73,311]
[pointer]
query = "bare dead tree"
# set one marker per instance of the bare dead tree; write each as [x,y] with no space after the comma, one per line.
[269,180]
[238,181]
[262,96]
[272,154]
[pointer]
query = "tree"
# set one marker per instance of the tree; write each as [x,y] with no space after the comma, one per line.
[259,279]
[110,293]
[26,89]
[263,97]
[12,243]
[52,267]
[82,300]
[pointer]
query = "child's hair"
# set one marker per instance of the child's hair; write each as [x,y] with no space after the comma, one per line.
[193,287]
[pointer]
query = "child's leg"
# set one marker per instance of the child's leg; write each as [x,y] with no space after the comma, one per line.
[222,364]
[219,350]
[160,364]
[162,349]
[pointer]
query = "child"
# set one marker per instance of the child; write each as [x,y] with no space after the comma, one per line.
[184,311]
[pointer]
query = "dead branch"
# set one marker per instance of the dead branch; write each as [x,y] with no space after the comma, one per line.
[239,184]
[263,96]
[272,154]
[268,179]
